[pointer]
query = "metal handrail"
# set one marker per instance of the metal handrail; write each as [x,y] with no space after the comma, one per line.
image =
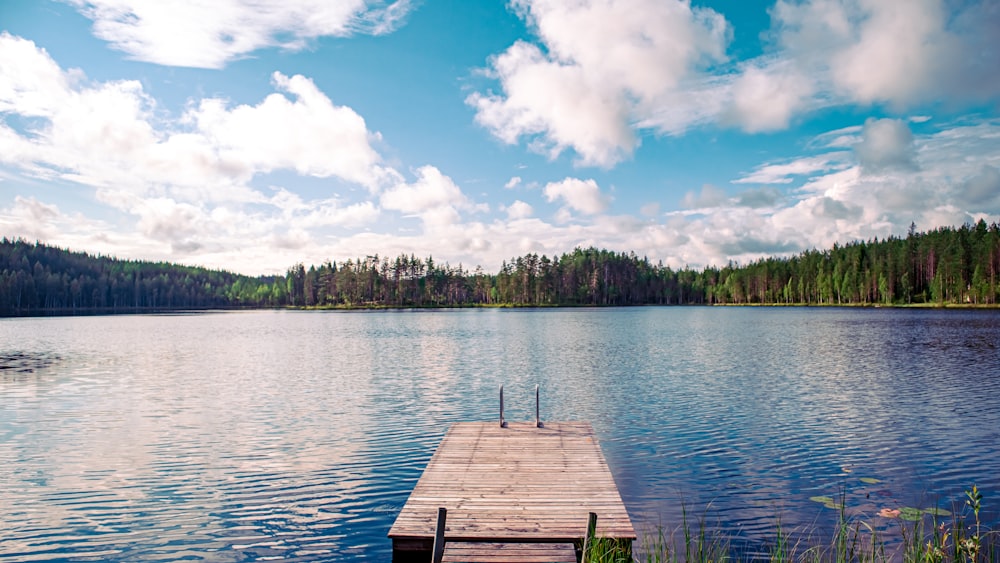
[538,417]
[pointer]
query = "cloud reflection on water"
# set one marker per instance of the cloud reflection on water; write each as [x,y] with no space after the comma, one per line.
[241,436]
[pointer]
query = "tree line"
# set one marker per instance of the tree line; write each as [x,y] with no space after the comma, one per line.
[39,279]
[943,266]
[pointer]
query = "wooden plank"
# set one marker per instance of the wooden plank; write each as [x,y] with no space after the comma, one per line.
[521,483]
[509,553]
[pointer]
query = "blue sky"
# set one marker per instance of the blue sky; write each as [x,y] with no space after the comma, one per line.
[251,136]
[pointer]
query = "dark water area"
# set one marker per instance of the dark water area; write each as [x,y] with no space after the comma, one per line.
[252,436]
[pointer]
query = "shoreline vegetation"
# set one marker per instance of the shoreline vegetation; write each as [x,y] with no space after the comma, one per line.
[945,267]
[906,535]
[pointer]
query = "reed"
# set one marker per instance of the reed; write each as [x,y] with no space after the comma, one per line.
[959,537]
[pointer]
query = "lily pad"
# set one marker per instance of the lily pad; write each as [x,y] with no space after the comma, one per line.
[937,511]
[889,513]
[870,481]
[827,502]
[911,514]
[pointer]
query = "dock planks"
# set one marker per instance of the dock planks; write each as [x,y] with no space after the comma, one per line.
[519,484]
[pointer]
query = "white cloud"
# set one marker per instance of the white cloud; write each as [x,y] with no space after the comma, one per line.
[112,135]
[886,144]
[186,181]
[785,173]
[194,33]
[557,105]
[519,210]
[308,134]
[757,198]
[34,210]
[981,192]
[710,196]
[514,182]
[166,220]
[32,83]
[29,218]
[323,213]
[955,167]
[432,189]
[581,195]
[829,208]
[651,209]
[433,196]
[894,53]
[605,64]
[843,138]
[603,71]
[903,52]
[766,98]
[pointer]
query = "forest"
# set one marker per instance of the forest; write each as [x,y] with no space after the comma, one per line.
[944,266]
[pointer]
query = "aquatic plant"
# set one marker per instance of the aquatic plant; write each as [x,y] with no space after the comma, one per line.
[855,539]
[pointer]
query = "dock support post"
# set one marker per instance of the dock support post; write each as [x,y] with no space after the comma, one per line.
[438,551]
[589,538]
[538,420]
[503,423]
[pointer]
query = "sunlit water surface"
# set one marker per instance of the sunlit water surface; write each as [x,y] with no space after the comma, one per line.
[299,435]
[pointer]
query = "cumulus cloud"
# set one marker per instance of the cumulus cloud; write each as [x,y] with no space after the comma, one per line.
[514,182]
[903,52]
[322,213]
[519,210]
[186,180]
[982,190]
[834,205]
[32,83]
[753,247]
[603,71]
[709,196]
[765,98]
[886,144]
[604,64]
[834,209]
[760,197]
[651,209]
[34,210]
[333,213]
[906,193]
[33,219]
[165,219]
[434,197]
[580,195]
[193,33]
[112,134]
[308,134]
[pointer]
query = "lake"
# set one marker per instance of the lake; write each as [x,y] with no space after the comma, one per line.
[250,436]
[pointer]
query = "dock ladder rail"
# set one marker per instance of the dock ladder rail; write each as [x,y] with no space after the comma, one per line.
[483,550]
[538,419]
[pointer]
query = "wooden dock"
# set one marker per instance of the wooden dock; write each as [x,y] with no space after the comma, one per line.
[520,489]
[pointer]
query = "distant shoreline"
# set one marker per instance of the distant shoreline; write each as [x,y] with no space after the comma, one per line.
[92,312]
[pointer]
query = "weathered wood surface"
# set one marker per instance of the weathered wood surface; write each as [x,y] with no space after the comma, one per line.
[519,484]
[509,553]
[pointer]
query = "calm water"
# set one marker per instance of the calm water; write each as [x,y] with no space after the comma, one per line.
[299,435]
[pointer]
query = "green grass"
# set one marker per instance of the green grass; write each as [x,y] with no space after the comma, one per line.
[928,537]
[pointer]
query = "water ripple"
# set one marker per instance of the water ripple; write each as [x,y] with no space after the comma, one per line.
[298,436]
